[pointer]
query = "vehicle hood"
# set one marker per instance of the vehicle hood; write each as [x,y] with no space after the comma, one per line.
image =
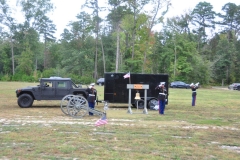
[28,88]
[31,87]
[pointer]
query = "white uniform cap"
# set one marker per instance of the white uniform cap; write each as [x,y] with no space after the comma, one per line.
[162,83]
[192,85]
[92,84]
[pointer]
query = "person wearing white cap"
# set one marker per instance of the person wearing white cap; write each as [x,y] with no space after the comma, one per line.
[162,92]
[92,94]
[194,92]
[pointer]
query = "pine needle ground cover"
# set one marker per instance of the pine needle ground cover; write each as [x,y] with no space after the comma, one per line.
[210,130]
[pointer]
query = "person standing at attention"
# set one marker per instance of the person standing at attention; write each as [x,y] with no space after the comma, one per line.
[194,87]
[92,94]
[162,92]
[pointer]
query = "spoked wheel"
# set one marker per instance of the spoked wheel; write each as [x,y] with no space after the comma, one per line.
[77,107]
[64,103]
[152,103]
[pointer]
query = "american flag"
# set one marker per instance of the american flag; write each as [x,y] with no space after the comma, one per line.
[127,75]
[101,121]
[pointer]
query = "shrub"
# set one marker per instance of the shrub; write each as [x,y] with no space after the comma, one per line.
[17,77]
[26,78]
[86,80]
[5,77]
[48,73]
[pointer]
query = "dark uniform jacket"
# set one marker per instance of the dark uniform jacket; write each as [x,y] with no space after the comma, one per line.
[194,92]
[92,94]
[162,92]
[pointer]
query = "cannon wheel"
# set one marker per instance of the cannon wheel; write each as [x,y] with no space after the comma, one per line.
[64,103]
[77,107]
[152,103]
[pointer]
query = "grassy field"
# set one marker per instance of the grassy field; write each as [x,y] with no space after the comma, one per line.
[209,131]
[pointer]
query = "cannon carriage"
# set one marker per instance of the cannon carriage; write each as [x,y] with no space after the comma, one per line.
[77,106]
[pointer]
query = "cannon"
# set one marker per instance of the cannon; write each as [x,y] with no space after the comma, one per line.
[77,106]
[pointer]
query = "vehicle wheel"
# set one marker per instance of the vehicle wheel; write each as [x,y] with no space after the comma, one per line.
[77,107]
[25,101]
[64,103]
[152,103]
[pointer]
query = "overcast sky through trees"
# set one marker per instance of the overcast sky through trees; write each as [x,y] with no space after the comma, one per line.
[66,10]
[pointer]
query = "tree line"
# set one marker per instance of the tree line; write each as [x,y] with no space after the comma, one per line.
[199,45]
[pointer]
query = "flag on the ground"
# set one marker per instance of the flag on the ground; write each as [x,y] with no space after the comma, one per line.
[101,121]
[127,75]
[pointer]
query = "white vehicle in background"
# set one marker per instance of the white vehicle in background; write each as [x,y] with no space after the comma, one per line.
[101,81]
[234,86]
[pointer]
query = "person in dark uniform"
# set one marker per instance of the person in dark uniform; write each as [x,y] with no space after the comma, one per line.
[92,94]
[194,87]
[162,92]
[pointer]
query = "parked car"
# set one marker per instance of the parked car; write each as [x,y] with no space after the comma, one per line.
[101,81]
[179,84]
[238,88]
[233,86]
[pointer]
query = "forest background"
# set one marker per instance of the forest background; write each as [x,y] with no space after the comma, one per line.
[188,47]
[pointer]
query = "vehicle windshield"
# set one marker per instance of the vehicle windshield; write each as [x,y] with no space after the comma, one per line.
[74,85]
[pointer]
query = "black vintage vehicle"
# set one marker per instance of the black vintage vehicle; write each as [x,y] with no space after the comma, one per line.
[53,88]
[115,88]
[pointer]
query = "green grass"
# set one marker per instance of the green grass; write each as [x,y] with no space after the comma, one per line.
[184,132]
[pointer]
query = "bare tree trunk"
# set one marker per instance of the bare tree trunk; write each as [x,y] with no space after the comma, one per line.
[36,63]
[45,53]
[117,53]
[134,28]
[96,43]
[13,64]
[227,74]
[175,58]
[96,57]
[103,54]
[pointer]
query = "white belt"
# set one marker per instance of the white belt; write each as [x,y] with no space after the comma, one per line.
[194,91]
[91,95]
[162,93]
